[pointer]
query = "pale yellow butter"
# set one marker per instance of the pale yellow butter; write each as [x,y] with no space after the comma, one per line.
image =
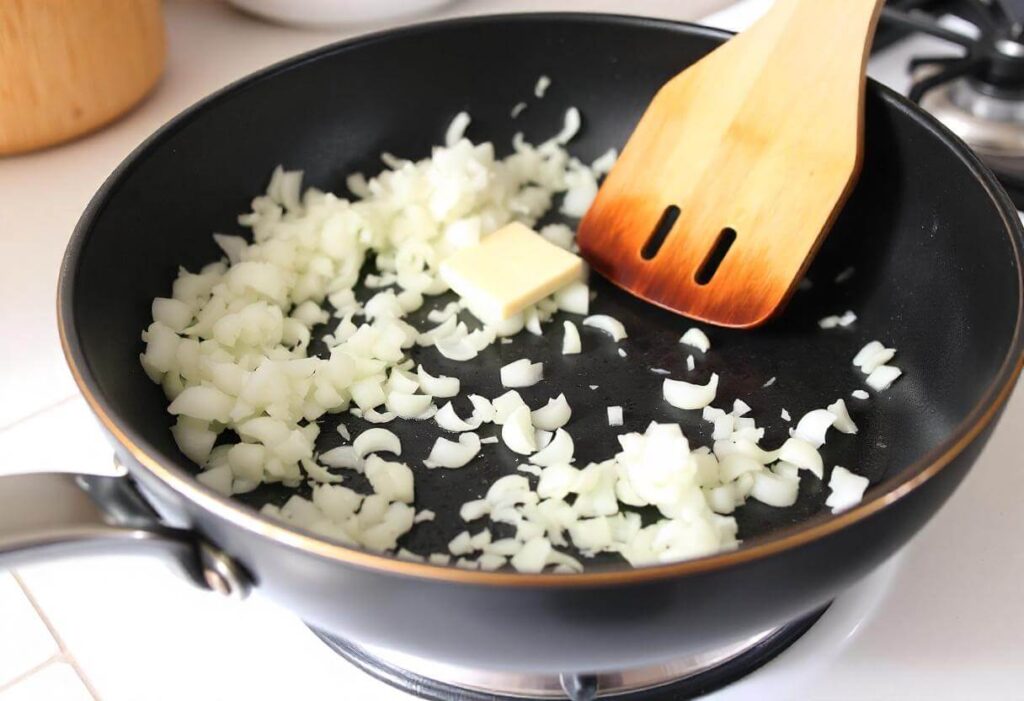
[508,271]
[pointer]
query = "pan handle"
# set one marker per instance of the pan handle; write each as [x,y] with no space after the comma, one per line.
[51,515]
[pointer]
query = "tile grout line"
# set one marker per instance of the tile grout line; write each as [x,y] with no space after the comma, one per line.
[65,653]
[11,683]
[38,412]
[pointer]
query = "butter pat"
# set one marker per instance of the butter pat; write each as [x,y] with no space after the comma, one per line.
[508,271]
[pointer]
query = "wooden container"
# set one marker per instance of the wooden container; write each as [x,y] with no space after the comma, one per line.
[70,66]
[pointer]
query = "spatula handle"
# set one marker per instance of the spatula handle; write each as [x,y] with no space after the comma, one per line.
[824,26]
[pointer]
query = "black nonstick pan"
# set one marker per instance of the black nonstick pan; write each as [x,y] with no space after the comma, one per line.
[934,243]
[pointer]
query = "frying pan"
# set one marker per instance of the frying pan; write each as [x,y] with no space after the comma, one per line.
[934,242]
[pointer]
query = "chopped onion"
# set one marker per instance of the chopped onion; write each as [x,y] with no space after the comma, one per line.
[408,406]
[440,386]
[685,395]
[785,415]
[814,425]
[846,489]
[533,556]
[554,414]
[610,325]
[843,422]
[859,394]
[615,416]
[342,456]
[517,431]
[457,129]
[392,480]
[521,373]
[803,455]
[882,377]
[450,454]
[559,450]
[571,343]
[574,298]
[775,490]
[570,126]
[697,339]
[459,349]
[517,109]
[504,405]
[541,86]
[447,419]
[483,410]
[377,417]
[376,440]
[872,356]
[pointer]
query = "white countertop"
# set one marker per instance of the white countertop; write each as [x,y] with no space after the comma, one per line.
[948,627]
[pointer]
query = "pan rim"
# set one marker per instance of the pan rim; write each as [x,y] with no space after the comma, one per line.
[184,484]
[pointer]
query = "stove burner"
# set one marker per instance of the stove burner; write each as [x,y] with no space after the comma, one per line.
[979,96]
[678,679]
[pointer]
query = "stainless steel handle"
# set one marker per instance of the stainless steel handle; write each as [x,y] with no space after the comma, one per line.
[51,515]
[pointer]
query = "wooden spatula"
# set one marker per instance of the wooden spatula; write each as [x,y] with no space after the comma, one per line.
[739,167]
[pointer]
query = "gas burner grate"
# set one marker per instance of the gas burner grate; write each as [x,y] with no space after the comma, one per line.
[672,681]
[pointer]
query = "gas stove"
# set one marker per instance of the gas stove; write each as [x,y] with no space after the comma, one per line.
[974,81]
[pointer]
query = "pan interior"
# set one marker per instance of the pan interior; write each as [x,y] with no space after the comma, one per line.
[935,273]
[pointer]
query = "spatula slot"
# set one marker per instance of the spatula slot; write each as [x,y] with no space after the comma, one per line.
[660,233]
[715,257]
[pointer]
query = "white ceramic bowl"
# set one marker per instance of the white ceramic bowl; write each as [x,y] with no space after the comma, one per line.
[326,13]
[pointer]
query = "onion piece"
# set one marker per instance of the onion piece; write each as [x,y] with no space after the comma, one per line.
[450,454]
[376,440]
[882,377]
[440,386]
[553,415]
[685,395]
[517,432]
[571,343]
[377,417]
[785,415]
[813,426]
[408,406]
[392,480]
[459,349]
[541,87]
[457,129]
[342,456]
[615,416]
[696,338]
[847,489]
[775,490]
[843,423]
[521,373]
[859,394]
[574,298]
[447,419]
[483,410]
[559,450]
[802,454]
[533,556]
[318,472]
[610,325]
[504,405]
